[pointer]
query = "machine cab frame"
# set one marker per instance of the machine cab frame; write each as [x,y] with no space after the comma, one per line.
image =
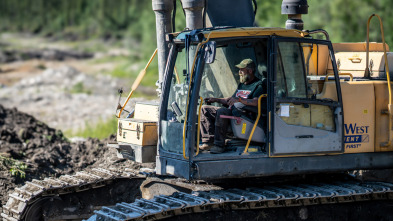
[187,82]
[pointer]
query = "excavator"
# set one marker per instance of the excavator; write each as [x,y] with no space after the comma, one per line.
[326,110]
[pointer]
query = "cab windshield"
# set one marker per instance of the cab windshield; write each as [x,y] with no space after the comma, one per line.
[220,79]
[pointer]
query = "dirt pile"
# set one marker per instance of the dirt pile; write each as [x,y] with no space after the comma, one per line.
[45,151]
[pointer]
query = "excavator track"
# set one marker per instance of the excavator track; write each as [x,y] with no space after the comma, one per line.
[42,199]
[85,193]
[178,204]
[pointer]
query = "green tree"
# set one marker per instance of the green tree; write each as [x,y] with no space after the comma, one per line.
[344,20]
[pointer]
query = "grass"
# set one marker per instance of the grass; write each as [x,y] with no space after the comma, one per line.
[15,167]
[91,45]
[120,72]
[128,68]
[143,95]
[41,67]
[149,80]
[101,130]
[108,59]
[79,88]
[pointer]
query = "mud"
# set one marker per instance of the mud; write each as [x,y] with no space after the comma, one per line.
[47,152]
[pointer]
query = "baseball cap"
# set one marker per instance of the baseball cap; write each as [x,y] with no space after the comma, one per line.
[246,63]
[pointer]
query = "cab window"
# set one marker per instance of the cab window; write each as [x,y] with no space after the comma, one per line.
[290,75]
[304,97]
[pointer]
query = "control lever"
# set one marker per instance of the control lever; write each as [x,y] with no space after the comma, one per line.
[176,109]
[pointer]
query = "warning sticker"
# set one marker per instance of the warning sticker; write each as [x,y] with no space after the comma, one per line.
[244,128]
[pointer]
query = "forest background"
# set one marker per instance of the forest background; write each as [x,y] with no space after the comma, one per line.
[134,19]
[97,25]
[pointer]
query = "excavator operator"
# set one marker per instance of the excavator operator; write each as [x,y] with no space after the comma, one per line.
[213,127]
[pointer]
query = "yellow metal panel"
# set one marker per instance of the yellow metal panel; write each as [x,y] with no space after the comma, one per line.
[319,62]
[355,63]
[324,61]
[359,116]
[360,46]
[252,31]
[314,59]
[381,118]
[255,32]
[362,109]
[351,58]
[329,91]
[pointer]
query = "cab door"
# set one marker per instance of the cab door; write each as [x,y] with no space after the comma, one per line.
[306,115]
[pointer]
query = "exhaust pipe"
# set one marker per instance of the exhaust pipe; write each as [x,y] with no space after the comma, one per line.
[194,16]
[294,9]
[163,10]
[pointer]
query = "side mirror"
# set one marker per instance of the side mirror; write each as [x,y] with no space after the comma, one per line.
[210,52]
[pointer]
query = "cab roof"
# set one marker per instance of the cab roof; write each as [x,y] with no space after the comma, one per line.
[212,33]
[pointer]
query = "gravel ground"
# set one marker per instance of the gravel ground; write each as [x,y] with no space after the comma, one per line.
[65,98]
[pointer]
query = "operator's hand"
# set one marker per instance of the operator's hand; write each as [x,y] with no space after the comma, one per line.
[231,101]
[210,100]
